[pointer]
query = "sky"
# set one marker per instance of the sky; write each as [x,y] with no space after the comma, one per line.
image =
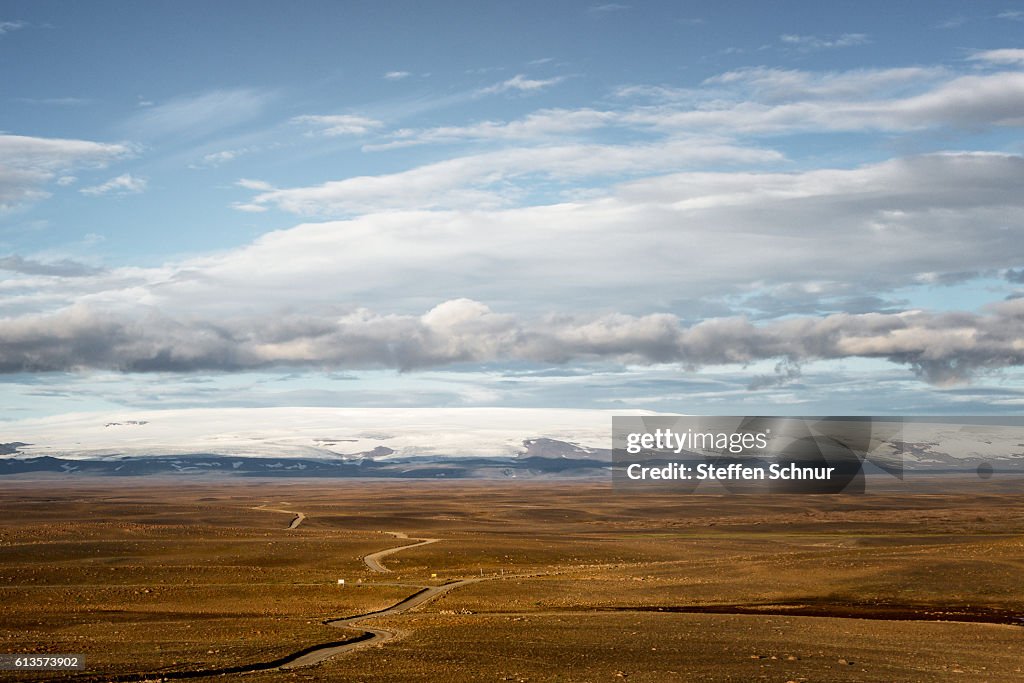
[692,207]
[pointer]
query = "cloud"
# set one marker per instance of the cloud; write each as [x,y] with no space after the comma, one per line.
[522,84]
[493,179]
[55,101]
[196,116]
[250,184]
[951,23]
[546,123]
[1003,56]
[1011,15]
[766,84]
[396,75]
[786,372]
[772,101]
[215,159]
[697,237]
[61,268]
[696,243]
[608,7]
[966,101]
[27,164]
[808,43]
[123,184]
[352,293]
[940,348]
[340,124]
[1015,276]
[9,26]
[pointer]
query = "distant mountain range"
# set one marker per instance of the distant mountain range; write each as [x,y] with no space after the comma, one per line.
[403,443]
[458,467]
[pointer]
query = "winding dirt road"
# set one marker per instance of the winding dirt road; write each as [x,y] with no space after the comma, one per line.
[378,635]
[373,559]
[367,636]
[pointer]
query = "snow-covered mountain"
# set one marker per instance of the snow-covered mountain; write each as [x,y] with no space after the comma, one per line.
[345,433]
[412,442]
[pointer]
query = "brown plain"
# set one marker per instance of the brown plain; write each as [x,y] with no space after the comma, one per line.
[175,577]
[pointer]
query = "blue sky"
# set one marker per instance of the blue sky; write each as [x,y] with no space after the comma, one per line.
[695,207]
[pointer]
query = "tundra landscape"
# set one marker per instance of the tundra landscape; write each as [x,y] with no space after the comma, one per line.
[529,581]
[383,341]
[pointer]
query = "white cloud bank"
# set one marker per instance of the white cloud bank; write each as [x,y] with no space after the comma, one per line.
[682,235]
[486,180]
[650,244]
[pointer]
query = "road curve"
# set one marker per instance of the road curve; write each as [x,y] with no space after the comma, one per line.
[373,559]
[378,636]
[297,519]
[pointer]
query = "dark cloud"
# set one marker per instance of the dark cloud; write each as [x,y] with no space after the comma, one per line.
[1014,276]
[798,300]
[940,348]
[62,268]
[786,372]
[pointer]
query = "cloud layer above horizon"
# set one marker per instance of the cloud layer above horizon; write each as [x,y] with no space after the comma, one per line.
[777,211]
